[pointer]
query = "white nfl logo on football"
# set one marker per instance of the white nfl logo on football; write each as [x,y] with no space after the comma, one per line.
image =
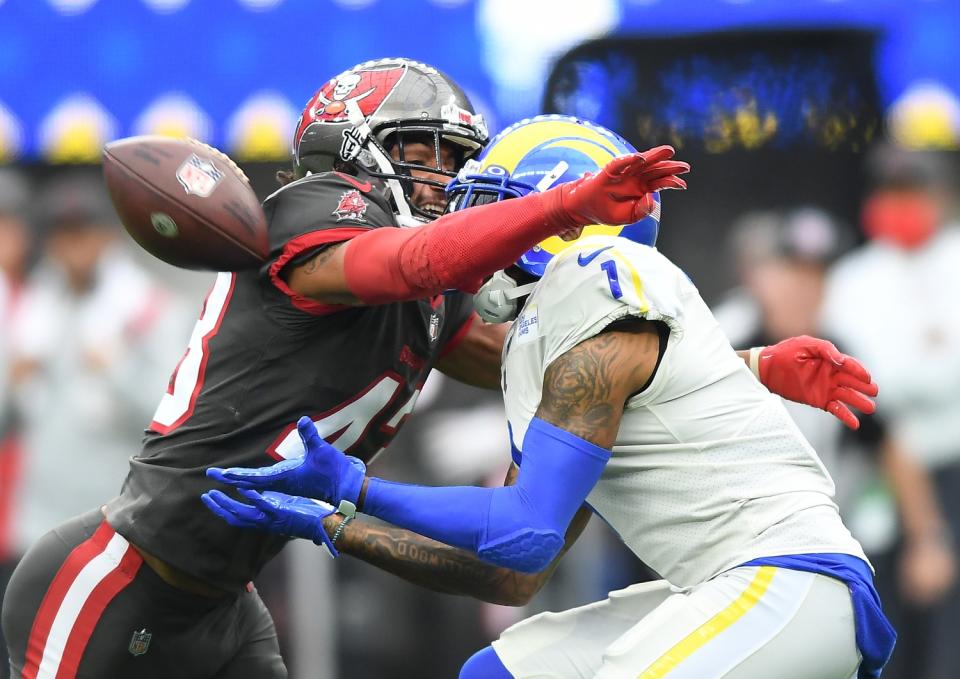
[199,176]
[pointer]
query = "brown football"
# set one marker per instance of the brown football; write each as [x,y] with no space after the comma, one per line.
[186,203]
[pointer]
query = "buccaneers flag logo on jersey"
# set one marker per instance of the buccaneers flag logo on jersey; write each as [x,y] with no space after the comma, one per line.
[351,206]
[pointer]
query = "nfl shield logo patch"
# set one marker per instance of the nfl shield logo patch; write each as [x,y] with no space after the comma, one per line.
[140,642]
[199,176]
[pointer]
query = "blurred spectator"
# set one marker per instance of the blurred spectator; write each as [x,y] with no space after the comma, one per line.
[783,259]
[14,251]
[894,303]
[92,348]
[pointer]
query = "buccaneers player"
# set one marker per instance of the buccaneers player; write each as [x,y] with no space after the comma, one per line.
[152,584]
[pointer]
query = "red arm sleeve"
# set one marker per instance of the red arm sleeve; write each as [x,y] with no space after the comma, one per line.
[455,252]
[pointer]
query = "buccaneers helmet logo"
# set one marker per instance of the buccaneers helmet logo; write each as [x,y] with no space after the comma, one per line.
[351,206]
[367,88]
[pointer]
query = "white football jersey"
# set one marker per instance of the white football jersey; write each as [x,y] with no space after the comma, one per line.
[708,470]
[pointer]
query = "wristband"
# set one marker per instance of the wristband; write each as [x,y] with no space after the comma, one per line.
[755,361]
[349,511]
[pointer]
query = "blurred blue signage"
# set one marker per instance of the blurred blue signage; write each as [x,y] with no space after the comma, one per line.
[76,73]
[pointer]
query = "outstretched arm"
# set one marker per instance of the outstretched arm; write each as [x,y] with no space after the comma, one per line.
[443,568]
[521,527]
[814,372]
[460,249]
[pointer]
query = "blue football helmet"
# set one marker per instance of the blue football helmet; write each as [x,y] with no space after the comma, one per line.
[534,155]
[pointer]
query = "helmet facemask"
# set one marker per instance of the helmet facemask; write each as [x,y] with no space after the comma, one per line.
[372,150]
[446,158]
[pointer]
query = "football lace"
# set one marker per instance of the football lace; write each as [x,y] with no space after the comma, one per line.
[217,153]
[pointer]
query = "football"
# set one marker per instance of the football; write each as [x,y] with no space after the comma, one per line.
[186,203]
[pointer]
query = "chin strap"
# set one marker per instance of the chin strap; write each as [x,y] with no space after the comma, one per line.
[497,299]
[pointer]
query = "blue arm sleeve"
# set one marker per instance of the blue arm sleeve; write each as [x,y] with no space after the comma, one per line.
[521,526]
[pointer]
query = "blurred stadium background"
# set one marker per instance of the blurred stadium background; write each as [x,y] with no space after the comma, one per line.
[777,104]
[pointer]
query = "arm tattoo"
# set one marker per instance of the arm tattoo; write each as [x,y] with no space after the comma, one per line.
[446,569]
[584,390]
[319,259]
[434,565]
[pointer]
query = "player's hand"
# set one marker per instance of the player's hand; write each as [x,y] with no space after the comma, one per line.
[813,371]
[323,472]
[621,192]
[928,570]
[298,517]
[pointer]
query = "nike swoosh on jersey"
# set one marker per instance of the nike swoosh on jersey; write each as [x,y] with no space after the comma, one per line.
[364,187]
[584,261]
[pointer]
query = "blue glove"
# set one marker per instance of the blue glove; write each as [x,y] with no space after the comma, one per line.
[297,517]
[323,472]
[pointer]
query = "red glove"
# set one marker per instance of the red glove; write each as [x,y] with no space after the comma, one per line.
[620,193]
[813,371]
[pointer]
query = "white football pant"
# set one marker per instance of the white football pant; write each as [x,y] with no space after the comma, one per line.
[746,623]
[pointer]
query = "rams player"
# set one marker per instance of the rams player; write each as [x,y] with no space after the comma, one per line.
[623,399]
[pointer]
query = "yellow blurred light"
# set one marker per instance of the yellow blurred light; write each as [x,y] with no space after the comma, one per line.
[746,128]
[75,130]
[76,144]
[172,129]
[261,128]
[173,114]
[926,116]
[752,130]
[261,141]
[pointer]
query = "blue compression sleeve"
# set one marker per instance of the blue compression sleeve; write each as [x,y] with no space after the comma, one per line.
[521,526]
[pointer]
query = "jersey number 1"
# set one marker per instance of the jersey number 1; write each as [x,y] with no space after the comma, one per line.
[611,268]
